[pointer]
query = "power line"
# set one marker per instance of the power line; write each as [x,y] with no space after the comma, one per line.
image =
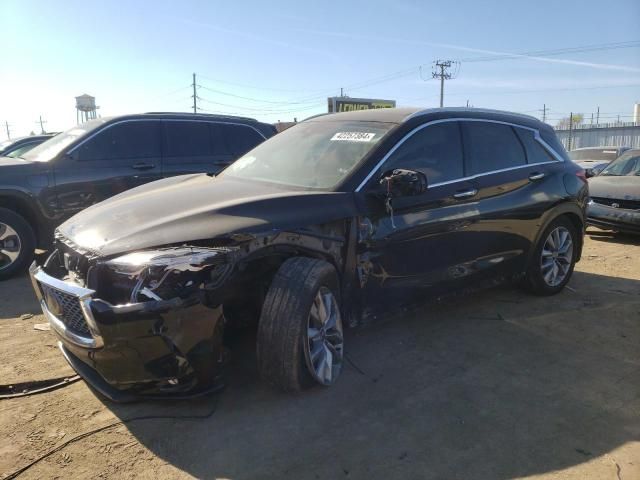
[555,52]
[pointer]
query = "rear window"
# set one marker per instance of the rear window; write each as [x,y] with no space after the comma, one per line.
[492,146]
[536,153]
[608,154]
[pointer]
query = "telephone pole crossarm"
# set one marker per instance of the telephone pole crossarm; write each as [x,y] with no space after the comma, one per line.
[441,71]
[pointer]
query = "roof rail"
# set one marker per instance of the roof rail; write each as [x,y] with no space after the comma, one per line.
[211,115]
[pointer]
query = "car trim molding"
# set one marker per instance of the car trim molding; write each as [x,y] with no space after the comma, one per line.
[536,135]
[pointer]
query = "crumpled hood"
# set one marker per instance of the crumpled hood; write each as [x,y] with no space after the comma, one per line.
[621,188]
[196,207]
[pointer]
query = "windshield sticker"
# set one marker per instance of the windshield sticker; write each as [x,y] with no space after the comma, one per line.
[353,137]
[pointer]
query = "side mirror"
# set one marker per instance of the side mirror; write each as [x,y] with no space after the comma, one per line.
[403,183]
[588,172]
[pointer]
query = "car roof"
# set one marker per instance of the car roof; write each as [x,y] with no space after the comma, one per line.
[402,115]
[181,116]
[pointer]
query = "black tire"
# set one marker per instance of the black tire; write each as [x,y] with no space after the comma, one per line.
[534,281]
[27,240]
[283,321]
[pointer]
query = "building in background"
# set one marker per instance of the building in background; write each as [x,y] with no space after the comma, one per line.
[348,104]
[85,108]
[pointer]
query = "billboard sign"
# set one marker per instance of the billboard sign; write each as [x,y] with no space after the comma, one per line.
[348,104]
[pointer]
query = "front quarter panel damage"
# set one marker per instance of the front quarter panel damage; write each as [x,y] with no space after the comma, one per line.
[162,312]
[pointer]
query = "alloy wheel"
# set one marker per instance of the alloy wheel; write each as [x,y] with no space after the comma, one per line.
[324,342]
[10,246]
[556,256]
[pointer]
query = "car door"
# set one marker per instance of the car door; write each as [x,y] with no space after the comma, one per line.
[510,170]
[192,146]
[427,240]
[116,158]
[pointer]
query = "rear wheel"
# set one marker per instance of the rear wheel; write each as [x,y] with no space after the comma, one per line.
[17,243]
[300,334]
[554,258]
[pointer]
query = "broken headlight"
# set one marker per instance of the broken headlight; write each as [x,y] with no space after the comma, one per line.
[164,273]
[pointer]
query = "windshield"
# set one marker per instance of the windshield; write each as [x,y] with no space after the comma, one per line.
[627,164]
[607,154]
[5,144]
[310,154]
[49,149]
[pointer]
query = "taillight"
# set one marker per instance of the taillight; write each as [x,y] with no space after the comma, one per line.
[581,175]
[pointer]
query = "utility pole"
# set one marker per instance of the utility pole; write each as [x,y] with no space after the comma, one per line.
[195,96]
[591,118]
[598,116]
[6,125]
[544,112]
[440,68]
[570,130]
[341,92]
[42,122]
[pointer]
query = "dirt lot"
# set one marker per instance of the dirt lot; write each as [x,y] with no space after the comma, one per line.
[495,385]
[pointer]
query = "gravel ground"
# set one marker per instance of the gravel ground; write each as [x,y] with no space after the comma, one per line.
[495,385]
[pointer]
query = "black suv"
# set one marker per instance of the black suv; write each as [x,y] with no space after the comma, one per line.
[322,226]
[92,162]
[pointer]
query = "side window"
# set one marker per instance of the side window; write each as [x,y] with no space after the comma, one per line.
[536,153]
[241,139]
[218,145]
[435,150]
[124,141]
[187,139]
[491,146]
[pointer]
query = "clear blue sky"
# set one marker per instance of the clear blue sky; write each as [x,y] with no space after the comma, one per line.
[138,56]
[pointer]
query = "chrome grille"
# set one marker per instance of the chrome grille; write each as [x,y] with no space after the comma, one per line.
[66,308]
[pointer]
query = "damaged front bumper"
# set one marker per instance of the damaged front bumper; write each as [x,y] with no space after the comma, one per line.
[157,347]
[612,218]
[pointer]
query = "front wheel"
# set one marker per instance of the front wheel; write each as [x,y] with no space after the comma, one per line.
[17,243]
[300,334]
[553,259]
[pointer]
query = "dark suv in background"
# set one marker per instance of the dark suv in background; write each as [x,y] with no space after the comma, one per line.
[101,158]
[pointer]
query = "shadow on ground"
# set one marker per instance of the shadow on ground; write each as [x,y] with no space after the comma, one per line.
[18,298]
[494,385]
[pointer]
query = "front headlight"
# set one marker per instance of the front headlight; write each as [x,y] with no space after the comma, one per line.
[165,273]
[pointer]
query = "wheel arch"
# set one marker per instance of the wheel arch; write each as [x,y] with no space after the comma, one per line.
[19,203]
[575,215]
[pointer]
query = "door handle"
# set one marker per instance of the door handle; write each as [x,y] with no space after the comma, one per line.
[465,193]
[536,176]
[143,166]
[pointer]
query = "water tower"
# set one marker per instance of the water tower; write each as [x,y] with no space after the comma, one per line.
[85,108]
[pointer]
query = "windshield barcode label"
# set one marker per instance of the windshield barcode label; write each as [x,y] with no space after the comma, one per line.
[353,137]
